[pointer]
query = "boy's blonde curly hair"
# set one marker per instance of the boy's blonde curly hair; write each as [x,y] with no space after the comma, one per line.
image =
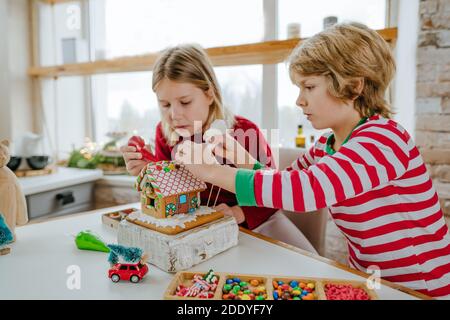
[345,54]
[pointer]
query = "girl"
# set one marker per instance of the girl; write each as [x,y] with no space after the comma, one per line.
[367,170]
[190,100]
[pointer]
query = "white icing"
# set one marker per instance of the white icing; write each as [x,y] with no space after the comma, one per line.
[177,220]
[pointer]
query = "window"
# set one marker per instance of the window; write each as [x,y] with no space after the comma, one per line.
[241,90]
[62,39]
[310,15]
[131,27]
[125,101]
[64,114]
[80,31]
[133,268]
[182,199]
[123,268]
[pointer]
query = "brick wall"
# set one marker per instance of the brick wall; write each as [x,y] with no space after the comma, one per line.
[433,94]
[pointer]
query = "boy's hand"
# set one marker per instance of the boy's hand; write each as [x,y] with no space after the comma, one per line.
[197,158]
[201,162]
[190,153]
[234,211]
[226,147]
[133,159]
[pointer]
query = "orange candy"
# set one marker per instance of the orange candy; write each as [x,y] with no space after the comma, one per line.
[275,284]
[309,296]
[254,282]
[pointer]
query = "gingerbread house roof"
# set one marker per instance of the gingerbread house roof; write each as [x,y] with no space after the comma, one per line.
[165,178]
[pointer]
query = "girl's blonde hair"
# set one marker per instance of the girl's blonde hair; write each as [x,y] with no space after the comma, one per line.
[346,53]
[189,63]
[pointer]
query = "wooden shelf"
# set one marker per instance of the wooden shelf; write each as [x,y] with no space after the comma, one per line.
[56,1]
[270,52]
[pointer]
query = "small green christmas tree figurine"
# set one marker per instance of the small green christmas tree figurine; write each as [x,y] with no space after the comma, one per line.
[6,236]
[129,254]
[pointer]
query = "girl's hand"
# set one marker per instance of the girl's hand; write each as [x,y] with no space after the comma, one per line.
[133,159]
[226,147]
[234,211]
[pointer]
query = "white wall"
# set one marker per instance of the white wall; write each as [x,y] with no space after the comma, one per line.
[5,114]
[406,49]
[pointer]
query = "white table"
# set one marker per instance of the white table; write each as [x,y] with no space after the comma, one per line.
[37,266]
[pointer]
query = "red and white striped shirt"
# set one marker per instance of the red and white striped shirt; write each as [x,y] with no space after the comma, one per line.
[380,196]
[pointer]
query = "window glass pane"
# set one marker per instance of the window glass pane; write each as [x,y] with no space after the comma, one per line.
[134,27]
[241,90]
[182,199]
[310,15]
[63,33]
[124,102]
[64,114]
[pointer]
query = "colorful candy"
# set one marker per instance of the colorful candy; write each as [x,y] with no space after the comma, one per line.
[202,287]
[293,290]
[237,289]
[345,292]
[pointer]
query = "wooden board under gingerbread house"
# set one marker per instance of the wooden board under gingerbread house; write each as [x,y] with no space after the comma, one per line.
[175,224]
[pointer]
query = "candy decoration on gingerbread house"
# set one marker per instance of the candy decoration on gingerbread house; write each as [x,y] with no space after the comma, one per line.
[167,189]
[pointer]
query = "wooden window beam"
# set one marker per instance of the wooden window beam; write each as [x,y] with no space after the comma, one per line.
[269,52]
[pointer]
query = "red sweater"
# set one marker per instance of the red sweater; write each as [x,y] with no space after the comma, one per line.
[254,216]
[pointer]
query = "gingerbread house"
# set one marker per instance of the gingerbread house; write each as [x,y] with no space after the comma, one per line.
[168,189]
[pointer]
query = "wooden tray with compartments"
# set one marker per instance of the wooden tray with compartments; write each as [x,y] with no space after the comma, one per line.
[185,277]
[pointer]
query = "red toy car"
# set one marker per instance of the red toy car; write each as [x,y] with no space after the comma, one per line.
[128,271]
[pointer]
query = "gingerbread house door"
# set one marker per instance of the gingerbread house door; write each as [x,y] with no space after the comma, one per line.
[183,203]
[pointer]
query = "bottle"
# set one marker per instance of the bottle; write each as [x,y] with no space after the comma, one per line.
[312,140]
[329,22]
[300,139]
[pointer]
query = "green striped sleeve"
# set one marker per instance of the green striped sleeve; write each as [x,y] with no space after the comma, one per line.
[258,166]
[245,190]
